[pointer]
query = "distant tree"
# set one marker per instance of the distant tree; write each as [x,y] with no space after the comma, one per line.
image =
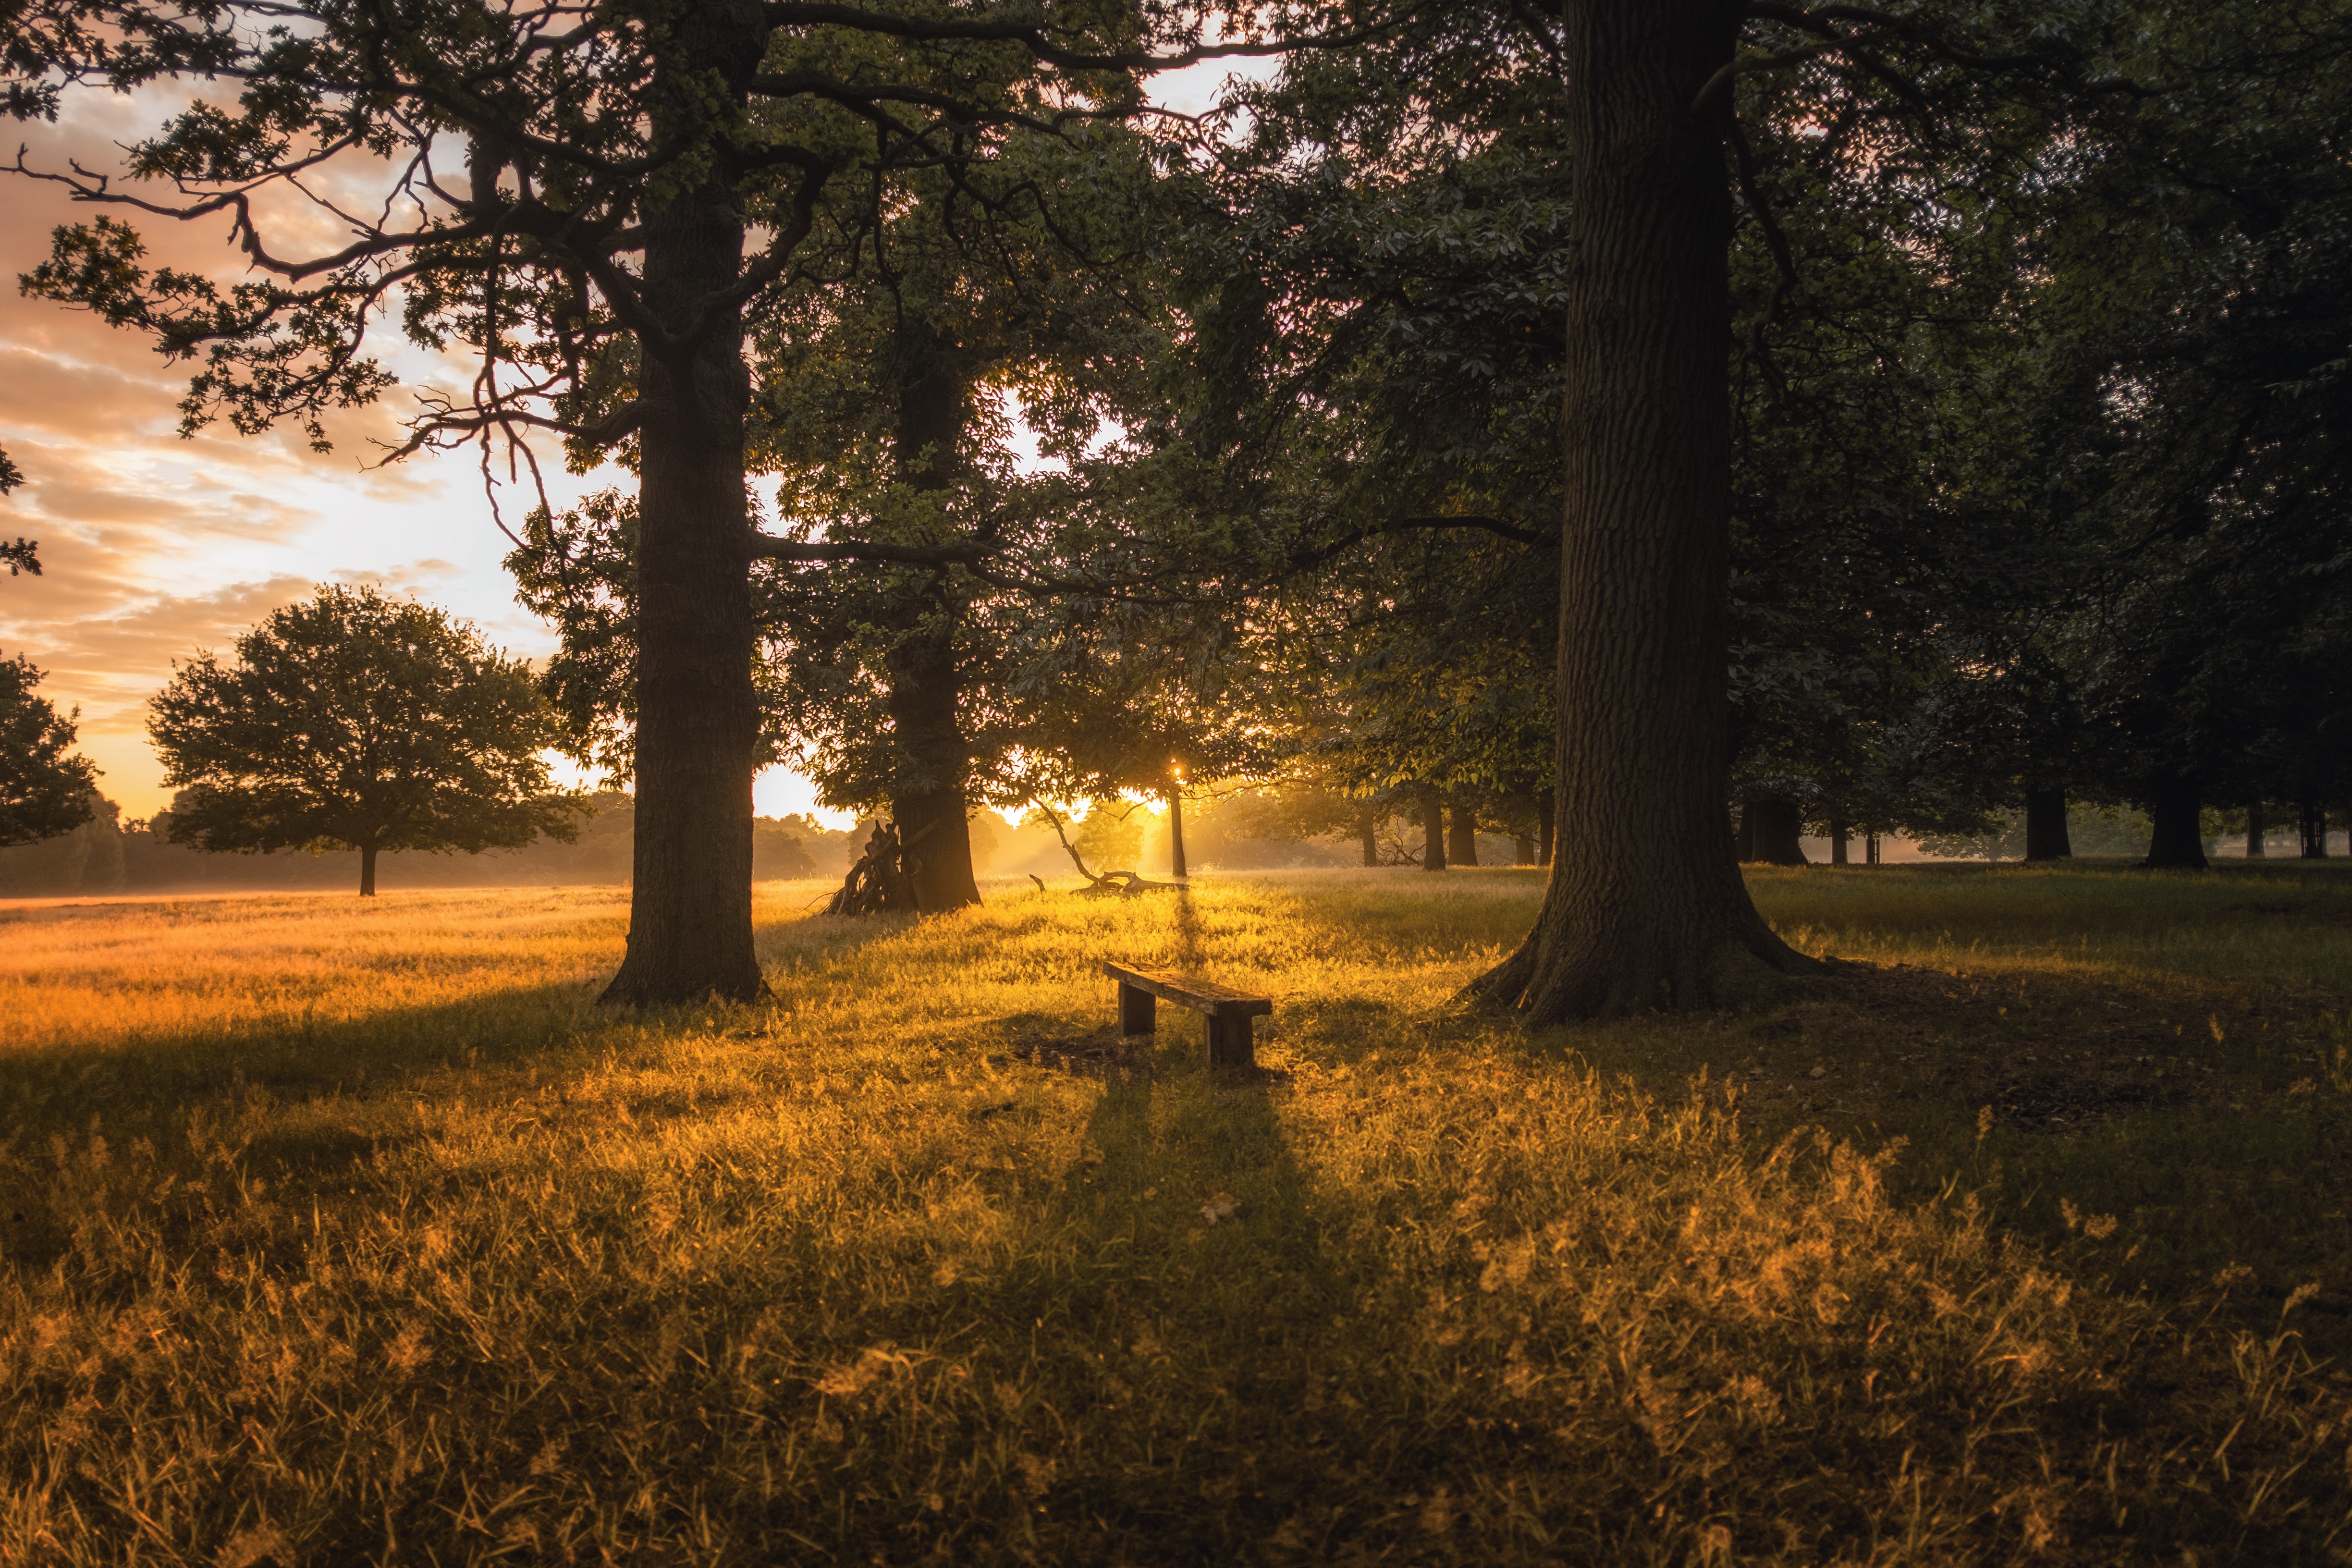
[43,792]
[360,721]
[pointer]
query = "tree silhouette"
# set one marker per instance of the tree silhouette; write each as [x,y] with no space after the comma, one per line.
[358,721]
[43,792]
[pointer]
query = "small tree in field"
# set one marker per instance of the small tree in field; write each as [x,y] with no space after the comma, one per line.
[43,792]
[358,721]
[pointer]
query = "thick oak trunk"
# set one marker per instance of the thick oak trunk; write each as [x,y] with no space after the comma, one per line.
[1461,838]
[697,716]
[1771,829]
[1645,907]
[2046,835]
[367,871]
[1371,834]
[1839,834]
[930,756]
[1433,833]
[2174,841]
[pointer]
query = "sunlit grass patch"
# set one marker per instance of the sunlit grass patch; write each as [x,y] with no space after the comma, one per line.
[420,1259]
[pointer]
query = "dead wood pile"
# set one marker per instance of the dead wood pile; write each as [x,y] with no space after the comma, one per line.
[882,881]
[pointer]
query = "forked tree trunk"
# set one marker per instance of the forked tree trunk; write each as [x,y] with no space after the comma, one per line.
[2174,840]
[929,757]
[1462,840]
[2257,827]
[1645,907]
[367,871]
[697,716]
[1433,833]
[2046,834]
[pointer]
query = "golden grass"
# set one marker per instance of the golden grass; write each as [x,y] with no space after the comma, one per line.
[345,1234]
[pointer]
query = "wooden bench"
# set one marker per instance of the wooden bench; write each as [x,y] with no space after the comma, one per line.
[1228,1011]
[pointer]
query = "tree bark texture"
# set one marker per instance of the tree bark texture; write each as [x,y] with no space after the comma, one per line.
[1771,829]
[1645,907]
[2046,835]
[697,715]
[367,871]
[2174,841]
[2258,827]
[930,759]
[1176,835]
[1462,839]
[1432,833]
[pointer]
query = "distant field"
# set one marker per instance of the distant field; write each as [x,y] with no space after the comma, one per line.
[340,1233]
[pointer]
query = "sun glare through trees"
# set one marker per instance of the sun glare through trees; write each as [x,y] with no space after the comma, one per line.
[1576,783]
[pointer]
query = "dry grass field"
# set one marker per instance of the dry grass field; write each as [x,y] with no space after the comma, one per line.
[339,1234]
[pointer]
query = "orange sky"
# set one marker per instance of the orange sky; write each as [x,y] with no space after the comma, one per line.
[154,546]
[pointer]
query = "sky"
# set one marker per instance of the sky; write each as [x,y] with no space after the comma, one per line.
[154,546]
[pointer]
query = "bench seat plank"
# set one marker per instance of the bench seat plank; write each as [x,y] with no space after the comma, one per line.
[1189,990]
[1226,1012]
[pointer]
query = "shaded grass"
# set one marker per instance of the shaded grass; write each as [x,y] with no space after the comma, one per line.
[395,1250]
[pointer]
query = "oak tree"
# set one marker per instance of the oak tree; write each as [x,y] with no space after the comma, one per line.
[587,203]
[43,792]
[358,721]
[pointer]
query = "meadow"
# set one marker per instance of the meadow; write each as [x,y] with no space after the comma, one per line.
[355,1233]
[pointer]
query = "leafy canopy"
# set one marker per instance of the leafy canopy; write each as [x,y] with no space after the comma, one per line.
[357,721]
[43,792]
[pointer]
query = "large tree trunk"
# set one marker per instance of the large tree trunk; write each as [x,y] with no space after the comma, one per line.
[1839,834]
[1462,839]
[926,801]
[2258,827]
[2046,835]
[697,716]
[367,871]
[1176,833]
[930,758]
[1646,906]
[1771,829]
[1372,837]
[2174,841]
[1432,833]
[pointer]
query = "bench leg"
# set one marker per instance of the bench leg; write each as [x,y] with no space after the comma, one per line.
[1231,1044]
[1138,1010]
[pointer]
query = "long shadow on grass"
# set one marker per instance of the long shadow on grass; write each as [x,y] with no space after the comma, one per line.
[1222,1288]
[150,1087]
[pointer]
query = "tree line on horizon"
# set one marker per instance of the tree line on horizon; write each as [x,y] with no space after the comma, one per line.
[1658,431]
